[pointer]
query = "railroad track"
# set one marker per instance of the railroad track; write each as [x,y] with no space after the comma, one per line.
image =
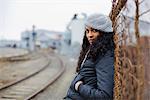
[23,70]
[31,86]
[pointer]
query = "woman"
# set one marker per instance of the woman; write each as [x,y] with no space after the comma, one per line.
[94,80]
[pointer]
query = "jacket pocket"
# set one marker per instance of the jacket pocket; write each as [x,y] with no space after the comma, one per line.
[72,93]
[75,80]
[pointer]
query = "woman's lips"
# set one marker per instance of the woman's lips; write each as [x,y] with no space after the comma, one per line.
[91,40]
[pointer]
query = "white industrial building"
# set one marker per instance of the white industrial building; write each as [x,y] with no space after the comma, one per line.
[58,40]
[41,38]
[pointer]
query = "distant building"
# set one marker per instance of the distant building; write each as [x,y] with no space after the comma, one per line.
[76,27]
[43,39]
[10,43]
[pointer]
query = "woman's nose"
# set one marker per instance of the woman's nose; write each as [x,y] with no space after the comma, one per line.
[90,34]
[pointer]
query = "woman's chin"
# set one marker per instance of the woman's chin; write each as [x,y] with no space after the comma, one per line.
[90,42]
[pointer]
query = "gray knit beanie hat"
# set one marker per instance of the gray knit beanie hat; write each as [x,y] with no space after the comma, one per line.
[99,22]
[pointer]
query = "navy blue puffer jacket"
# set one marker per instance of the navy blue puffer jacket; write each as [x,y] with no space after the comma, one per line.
[97,77]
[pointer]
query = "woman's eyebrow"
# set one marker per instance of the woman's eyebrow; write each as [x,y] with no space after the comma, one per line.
[94,29]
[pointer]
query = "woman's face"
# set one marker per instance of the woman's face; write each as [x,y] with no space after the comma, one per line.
[91,34]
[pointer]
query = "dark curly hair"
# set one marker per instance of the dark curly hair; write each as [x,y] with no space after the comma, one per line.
[102,44]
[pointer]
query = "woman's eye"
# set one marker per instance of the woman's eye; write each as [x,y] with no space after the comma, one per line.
[93,30]
[87,31]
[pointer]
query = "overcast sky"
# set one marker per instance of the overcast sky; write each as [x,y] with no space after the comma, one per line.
[19,15]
